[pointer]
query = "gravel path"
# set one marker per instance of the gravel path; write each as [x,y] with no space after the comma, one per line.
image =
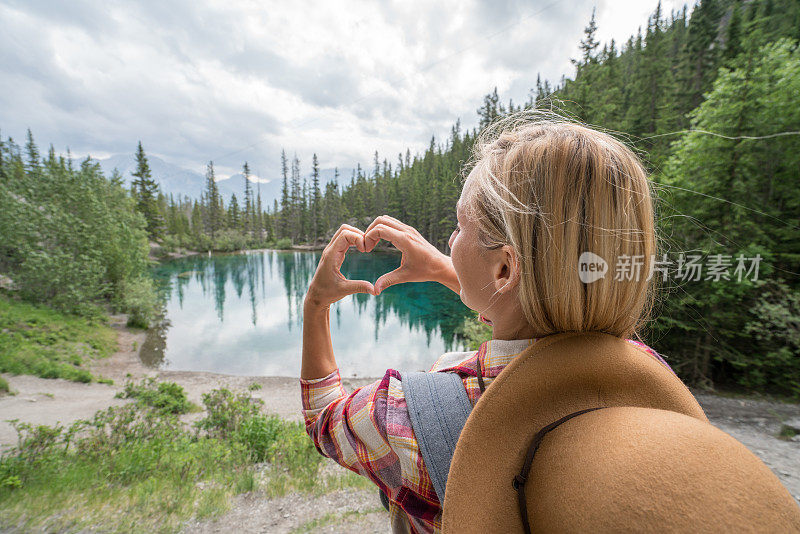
[755,423]
[339,511]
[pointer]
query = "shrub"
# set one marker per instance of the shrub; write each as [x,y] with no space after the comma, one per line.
[283,243]
[138,298]
[164,397]
[226,412]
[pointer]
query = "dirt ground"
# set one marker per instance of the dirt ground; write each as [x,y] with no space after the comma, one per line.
[755,423]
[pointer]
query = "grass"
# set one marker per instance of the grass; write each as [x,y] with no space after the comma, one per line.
[4,389]
[138,468]
[37,340]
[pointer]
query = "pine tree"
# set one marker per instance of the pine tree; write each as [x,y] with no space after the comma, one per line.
[234,215]
[259,212]
[34,164]
[488,113]
[247,213]
[755,173]
[285,213]
[733,37]
[316,200]
[305,216]
[213,218]
[589,44]
[701,54]
[296,199]
[146,192]
[116,178]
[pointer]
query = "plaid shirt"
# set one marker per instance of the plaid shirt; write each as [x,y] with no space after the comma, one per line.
[369,430]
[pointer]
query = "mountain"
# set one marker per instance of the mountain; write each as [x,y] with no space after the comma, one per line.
[181,181]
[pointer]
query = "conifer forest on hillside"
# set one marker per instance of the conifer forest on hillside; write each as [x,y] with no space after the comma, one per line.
[708,96]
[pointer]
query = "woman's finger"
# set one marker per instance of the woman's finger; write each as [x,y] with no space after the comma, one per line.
[400,224]
[389,279]
[389,221]
[359,286]
[339,231]
[380,231]
[345,239]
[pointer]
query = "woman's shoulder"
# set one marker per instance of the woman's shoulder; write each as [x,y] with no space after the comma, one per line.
[650,351]
[451,361]
[465,360]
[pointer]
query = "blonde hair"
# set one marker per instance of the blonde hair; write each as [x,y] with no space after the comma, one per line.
[553,188]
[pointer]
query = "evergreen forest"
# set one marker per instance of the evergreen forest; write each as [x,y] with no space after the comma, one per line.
[708,96]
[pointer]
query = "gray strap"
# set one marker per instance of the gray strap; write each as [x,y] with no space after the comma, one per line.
[438,407]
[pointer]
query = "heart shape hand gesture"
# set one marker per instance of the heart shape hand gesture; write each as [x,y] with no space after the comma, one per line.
[421,261]
[329,284]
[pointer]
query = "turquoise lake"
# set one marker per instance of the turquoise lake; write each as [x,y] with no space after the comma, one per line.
[241,314]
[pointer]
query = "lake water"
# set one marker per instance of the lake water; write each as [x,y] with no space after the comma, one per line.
[242,314]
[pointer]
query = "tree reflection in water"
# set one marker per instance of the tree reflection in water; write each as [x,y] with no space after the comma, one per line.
[237,312]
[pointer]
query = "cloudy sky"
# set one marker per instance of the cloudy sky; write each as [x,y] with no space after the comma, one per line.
[239,80]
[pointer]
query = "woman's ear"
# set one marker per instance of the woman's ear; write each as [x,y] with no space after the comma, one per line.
[507,269]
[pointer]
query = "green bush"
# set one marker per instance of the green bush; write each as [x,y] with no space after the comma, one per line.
[226,412]
[164,397]
[130,467]
[171,243]
[259,435]
[138,298]
[237,417]
[775,329]
[283,243]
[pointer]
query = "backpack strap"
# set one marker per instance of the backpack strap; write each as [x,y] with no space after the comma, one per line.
[522,477]
[438,407]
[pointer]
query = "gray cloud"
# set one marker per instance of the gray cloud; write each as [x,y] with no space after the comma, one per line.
[231,82]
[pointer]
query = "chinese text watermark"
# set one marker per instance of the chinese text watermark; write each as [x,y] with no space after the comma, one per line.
[686,267]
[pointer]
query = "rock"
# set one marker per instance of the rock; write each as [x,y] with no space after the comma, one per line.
[6,283]
[793,424]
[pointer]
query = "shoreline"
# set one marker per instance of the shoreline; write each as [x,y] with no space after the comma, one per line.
[305,248]
[49,401]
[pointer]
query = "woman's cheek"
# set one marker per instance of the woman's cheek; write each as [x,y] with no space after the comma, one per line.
[462,280]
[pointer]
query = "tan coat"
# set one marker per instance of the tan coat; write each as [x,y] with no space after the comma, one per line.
[650,463]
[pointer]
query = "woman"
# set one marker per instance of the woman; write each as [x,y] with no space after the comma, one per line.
[540,195]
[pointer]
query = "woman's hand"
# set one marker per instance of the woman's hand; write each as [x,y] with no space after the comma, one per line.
[421,261]
[329,284]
